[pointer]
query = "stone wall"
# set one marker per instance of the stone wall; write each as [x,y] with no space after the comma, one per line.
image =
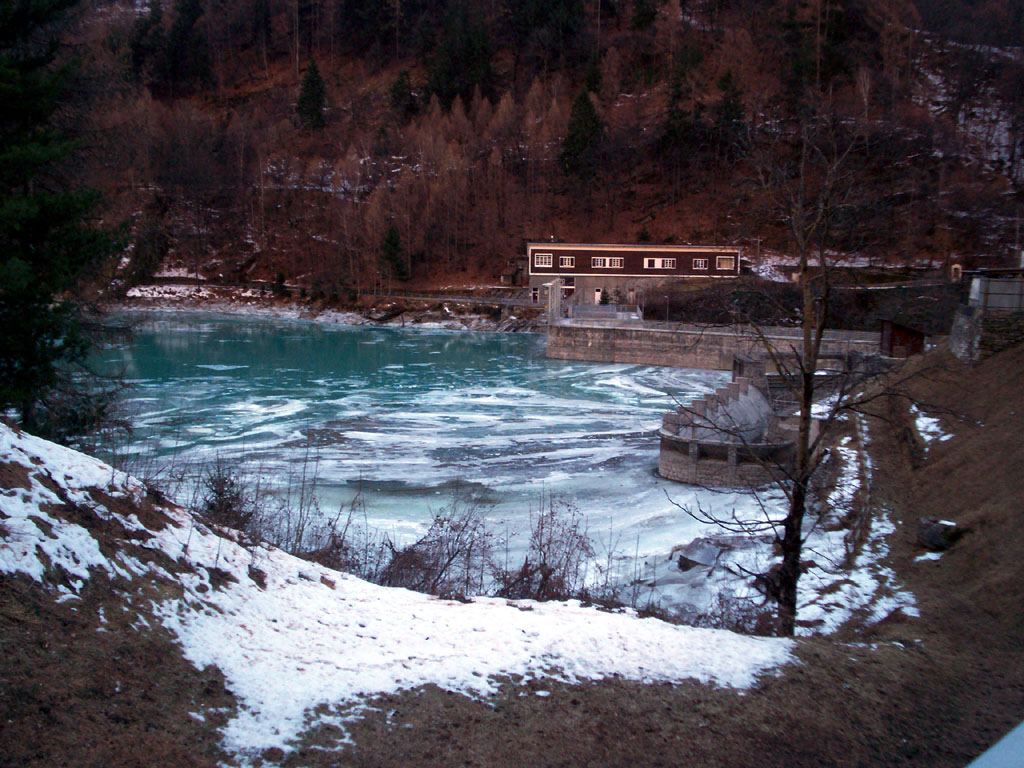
[979,333]
[999,331]
[684,346]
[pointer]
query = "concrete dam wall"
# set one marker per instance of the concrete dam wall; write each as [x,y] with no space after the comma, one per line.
[688,346]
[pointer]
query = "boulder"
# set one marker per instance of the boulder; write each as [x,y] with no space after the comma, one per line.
[937,535]
[685,564]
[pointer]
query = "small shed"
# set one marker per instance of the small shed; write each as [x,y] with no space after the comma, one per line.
[900,340]
[513,273]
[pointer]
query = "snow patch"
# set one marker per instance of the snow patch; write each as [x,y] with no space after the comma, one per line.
[928,427]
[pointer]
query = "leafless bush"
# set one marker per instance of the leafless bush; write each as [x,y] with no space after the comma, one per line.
[736,614]
[555,567]
[346,542]
[451,559]
[454,558]
[227,498]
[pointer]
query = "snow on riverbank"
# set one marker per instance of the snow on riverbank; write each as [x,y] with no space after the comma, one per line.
[844,570]
[290,635]
[249,302]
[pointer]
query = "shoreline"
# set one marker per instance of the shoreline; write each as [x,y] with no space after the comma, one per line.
[249,303]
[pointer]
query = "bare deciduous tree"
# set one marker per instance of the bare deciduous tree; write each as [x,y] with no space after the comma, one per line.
[808,181]
[805,174]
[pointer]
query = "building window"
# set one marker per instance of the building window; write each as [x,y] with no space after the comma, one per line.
[566,261]
[668,263]
[569,282]
[542,260]
[599,262]
[700,263]
[659,263]
[615,262]
[535,295]
[725,263]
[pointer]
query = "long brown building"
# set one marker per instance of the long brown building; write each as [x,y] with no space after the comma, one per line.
[589,271]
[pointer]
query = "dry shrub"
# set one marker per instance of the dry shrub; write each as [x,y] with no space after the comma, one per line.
[451,559]
[555,567]
[227,497]
[736,614]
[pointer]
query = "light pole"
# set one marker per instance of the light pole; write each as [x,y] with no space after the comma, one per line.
[666,307]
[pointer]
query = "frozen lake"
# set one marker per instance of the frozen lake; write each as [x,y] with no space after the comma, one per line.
[405,415]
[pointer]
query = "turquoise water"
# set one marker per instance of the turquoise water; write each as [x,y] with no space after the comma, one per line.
[402,416]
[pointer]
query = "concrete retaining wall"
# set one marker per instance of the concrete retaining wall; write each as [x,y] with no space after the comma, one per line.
[965,334]
[685,346]
[688,462]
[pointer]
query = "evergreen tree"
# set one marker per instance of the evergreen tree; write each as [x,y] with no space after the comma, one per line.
[544,34]
[462,61]
[147,43]
[46,242]
[312,98]
[592,77]
[187,54]
[392,255]
[403,100]
[582,137]
[644,14]
[729,117]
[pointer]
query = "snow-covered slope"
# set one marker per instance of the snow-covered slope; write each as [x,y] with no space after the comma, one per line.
[289,635]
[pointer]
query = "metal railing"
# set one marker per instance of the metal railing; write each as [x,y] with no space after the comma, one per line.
[773,331]
[492,301]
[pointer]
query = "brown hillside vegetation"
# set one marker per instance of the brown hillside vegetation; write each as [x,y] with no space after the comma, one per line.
[932,690]
[448,127]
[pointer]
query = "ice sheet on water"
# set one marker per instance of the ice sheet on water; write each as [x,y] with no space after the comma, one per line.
[412,413]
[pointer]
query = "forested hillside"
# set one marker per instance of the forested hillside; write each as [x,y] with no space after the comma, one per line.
[341,142]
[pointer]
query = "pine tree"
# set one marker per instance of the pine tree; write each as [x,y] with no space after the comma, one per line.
[462,60]
[644,14]
[392,255]
[147,42]
[729,116]
[46,242]
[187,54]
[582,137]
[312,98]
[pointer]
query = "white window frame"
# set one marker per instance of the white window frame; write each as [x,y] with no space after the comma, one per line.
[542,260]
[700,263]
[566,262]
[599,262]
[615,262]
[656,263]
[668,263]
[730,263]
